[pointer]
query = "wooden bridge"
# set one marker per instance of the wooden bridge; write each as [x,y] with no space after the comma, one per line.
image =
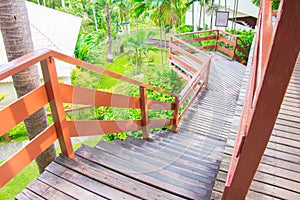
[211,140]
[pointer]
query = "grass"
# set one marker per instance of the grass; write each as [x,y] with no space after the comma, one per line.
[120,65]
[19,182]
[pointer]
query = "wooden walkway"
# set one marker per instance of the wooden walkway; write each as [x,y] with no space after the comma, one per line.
[278,175]
[168,166]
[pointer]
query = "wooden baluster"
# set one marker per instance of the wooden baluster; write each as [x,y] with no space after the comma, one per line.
[216,41]
[207,72]
[234,47]
[176,115]
[144,112]
[56,105]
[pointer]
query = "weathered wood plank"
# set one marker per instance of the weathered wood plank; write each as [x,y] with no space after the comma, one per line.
[141,173]
[67,187]
[47,191]
[152,162]
[28,195]
[87,183]
[114,179]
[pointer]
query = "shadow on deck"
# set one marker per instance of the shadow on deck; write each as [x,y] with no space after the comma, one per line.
[181,165]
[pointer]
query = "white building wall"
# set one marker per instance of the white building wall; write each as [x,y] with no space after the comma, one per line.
[245,8]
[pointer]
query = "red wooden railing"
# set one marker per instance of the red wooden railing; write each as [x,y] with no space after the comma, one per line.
[217,40]
[261,47]
[268,81]
[57,93]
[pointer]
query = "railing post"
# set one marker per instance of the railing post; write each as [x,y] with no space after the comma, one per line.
[56,105]
[176,115]
[269,96]
[207,72]
[144,113]
[234,47]
[216,41]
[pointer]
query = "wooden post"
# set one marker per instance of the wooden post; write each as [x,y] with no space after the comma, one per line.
[285,46]
[56,105]
[234,47]
[176,115]
[216,41]
[207,72]
[144,112]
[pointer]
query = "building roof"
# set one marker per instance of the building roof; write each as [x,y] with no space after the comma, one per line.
[50,29]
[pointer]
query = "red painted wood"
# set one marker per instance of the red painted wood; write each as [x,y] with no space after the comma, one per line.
[175,115]
[22,158]
[97,127]
[22,108]
[144,112]
[182,62]
[269,97]
[57,109]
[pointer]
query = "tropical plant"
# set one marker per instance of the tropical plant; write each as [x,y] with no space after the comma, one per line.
[275,3]
[138,42]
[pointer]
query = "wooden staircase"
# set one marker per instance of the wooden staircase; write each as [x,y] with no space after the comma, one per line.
[169,165]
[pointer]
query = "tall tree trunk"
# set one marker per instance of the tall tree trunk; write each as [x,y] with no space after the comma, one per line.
[95,18]
[193,16]
[212,14]
[109,57]
[16,33]
[204,13]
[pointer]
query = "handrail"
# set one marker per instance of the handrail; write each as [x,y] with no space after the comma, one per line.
[21,63]
[200,74]
[219,43]
[53,91]
[265,40]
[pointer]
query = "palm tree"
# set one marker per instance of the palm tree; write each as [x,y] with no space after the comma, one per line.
[109,57]
[139,43]
[15,27]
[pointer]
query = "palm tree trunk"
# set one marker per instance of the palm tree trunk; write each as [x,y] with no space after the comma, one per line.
[15,27]
[109,57]
[212,14]
[160,37]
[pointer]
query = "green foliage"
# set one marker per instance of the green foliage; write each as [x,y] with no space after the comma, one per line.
[246,36]
[19,182]
[17,133]
[275,3]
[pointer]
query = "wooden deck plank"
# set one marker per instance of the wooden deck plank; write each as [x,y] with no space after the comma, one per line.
[114,179]
[47,191]
[67,187]
[137,158]
[87,183]
[139,173]
[28,195]
[200,169]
